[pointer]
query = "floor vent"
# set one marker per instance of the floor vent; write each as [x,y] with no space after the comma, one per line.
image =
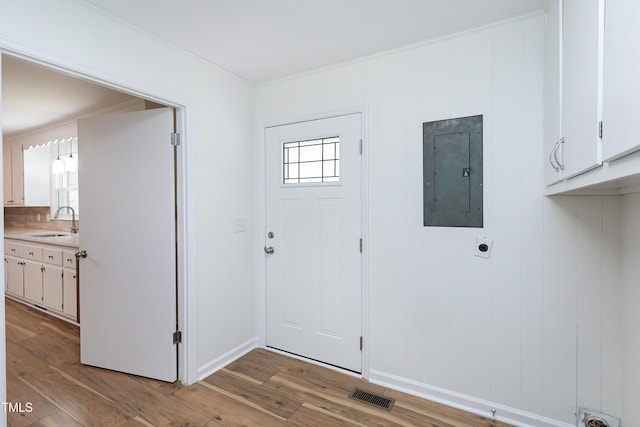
[372,399]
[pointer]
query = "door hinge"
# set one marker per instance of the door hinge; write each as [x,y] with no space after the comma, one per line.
[177,337]
[361,342]
[360,245]
[361,146]
[600,129]
[175,139]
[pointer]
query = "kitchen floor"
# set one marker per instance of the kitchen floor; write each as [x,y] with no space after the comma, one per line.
[47,386]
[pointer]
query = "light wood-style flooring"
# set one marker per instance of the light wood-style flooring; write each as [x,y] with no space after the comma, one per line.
[262,388]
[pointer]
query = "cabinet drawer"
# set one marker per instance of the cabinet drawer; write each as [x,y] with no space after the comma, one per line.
[52,256]
[32,252]
[13,249]
[69,259]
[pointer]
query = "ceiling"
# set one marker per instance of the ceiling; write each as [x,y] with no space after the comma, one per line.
[264,40]
[34,96]
[257,40]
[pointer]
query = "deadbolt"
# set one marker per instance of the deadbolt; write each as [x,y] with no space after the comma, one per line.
[270,235]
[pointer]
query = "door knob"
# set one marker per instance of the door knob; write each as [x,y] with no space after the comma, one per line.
[81,254]
[269,250]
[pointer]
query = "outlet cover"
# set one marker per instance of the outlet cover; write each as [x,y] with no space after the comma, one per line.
[483,247]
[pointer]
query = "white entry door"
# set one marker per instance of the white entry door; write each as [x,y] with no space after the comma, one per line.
[127,227]
[313,248]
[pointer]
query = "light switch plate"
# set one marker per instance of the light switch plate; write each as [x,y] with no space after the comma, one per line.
[483,247]
[240,225]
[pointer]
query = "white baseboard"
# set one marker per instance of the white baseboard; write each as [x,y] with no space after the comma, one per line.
[222,361]
[471,404]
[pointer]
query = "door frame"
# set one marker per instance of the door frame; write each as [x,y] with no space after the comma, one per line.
[261,228]
[184,176]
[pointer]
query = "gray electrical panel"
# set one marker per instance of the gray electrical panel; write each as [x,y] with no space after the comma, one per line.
[452,171]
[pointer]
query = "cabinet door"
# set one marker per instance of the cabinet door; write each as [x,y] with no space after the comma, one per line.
[17,176]
[621,72]
[52,287]
[15,276]
[582,47]
[33,281]
[6,174]
[552,101]
[70,293]
[12,173]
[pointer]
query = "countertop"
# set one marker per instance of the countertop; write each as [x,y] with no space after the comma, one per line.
[62,238]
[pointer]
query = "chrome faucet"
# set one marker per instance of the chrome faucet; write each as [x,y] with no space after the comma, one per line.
[74,225]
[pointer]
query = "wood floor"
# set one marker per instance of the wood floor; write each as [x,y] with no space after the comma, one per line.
[262,388]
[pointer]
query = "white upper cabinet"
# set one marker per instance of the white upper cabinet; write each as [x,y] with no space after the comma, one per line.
[13,174]
[573,87]
[552,101]
[622,71]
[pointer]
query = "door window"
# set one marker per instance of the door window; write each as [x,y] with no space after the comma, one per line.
[311,161]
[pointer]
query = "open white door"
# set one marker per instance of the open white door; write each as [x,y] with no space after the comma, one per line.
[127,210]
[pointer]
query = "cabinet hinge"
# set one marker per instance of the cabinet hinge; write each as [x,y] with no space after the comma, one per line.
[361,342]
[177,337]
[360,245]
[175,139]
[600,129]
[360,146]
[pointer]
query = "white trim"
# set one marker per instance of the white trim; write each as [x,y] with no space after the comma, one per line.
[261,300]
[185,175]
[220,362]
[464,402]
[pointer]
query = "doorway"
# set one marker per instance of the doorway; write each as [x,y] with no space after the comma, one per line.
[175,175]
[313,249]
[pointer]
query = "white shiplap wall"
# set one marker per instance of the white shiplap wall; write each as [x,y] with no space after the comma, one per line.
[630,330]
[524,330]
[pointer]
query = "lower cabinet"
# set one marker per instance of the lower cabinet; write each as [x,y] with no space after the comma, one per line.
[52,294]
[14,275]
[70,293]
[44,276]
[33,281]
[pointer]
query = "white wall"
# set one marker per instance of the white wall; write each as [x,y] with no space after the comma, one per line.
[217,143]
[630,311]
[524,329]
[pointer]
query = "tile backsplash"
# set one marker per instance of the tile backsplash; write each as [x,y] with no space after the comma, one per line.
[26,217]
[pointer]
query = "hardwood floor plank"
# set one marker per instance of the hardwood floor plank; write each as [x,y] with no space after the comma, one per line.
[133,397]
[313,416]
[16,333]
[21,361]
[87,409]
[59,419]
[271,401]
[225,410]
[54,349]
[19,392]
[258,372]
